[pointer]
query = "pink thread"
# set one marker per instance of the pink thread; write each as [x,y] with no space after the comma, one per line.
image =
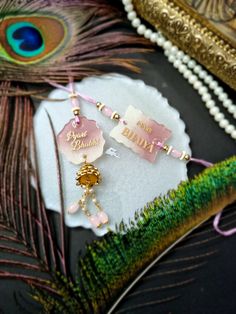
[106,110]
[202,162]
[226,233]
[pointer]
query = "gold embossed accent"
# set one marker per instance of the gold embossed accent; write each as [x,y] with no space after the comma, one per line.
[88,176]
[190,34]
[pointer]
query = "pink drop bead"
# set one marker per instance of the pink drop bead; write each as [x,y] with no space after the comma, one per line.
[107,111]
[95,222]
[73,208]
[102,216]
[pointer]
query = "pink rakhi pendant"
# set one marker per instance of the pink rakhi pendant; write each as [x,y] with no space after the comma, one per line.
[77,140]
[141,134]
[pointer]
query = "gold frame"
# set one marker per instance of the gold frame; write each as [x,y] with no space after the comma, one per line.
[193,34]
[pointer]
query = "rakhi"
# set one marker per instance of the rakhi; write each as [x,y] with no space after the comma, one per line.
[135,130]
[75,96]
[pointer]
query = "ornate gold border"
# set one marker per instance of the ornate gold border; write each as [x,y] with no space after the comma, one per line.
[192,36]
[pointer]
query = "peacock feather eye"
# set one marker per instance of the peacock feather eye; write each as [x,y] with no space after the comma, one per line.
[31,38]
[25,39]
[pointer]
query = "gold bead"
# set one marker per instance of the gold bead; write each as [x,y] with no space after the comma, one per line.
[76,111]
[98,104]
[187,157]
[116,116]
[88,176]
[166,147]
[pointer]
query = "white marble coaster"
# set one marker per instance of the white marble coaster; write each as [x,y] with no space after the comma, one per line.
[129,182]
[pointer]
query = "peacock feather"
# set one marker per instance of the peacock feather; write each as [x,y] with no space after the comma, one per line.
[119,260]
[109,265]
[57,39]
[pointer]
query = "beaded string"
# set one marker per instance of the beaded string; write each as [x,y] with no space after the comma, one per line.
[107,111]
[74,97]
[201,81]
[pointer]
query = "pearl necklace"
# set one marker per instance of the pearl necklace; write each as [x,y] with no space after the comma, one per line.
[201,81]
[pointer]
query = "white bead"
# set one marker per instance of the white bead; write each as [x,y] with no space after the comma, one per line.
[202,90]
[227,103]
[186,59]
[213,84]
[148,33]
[214,110]
[141,29]
[202,74]
[153,37]
[192,79]
[174,50]
[182,68]
[231,109]
[180,54]
[125,2]
[132,15]
[197,84]
[206,97]
[208,79]
[233,134]
[223,123]
[218,90]
[223,97]
[129,8]
[136,22]
[187,73]
[229,129]
[197,69]
[171,58]
[177,63]
[191,64]
[210,104]
[167,45]
[219,116]
[160,41]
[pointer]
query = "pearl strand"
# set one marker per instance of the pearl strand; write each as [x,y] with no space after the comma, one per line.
[191,71]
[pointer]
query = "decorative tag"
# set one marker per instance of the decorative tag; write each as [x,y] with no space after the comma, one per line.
[140,133]
[77,140]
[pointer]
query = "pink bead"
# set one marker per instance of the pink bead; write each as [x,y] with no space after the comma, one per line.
[77,119]
[102,216]
[175,153]
[75,102]
[95,222]
[73,208]
[107,111]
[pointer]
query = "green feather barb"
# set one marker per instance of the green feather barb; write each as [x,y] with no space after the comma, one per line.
[112,263]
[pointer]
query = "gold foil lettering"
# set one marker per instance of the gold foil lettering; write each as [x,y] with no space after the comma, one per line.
[79,144]
[132,136]
[144,126]
[73,136]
